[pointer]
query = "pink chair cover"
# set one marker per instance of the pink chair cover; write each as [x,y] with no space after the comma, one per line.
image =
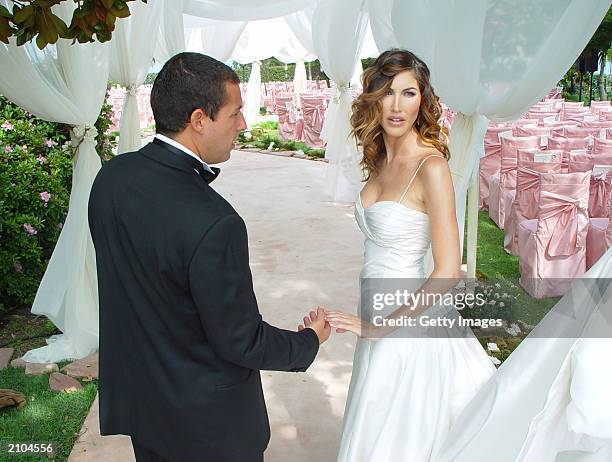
[287,118]
[561,123]
[580,132]
[490,163]
[554,246]
[596,124]
[605,115]
[313,111]
[525,205]
[525,122]
[602,147]
[596,244]
[542,115]
[600,193]
[567,144]
[509,153]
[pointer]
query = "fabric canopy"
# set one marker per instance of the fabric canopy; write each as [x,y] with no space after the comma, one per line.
[65,83]
[489,61]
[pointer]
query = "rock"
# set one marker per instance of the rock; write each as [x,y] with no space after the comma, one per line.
[86,368]
[11,398]
[40,369]
[19,362]
[61,382]
[5,356]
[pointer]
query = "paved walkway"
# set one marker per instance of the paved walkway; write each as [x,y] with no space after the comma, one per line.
[304,251]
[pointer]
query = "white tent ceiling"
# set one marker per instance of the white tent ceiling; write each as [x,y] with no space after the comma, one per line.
[488,60]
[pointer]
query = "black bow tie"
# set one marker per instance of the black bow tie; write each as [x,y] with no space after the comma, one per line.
[195,163]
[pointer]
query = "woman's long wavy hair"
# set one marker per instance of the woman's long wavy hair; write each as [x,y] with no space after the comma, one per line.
[366,114]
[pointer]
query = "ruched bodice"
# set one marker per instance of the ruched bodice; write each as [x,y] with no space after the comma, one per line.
[396,239]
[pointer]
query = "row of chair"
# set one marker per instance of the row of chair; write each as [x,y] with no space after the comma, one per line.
[547,183]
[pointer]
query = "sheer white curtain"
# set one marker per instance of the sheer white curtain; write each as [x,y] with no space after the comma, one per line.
[338,29]
[212,37]
[171,38]
[550,400]
[300,24]
[243,10]
[488,60]
[65,83]
[132,48]
[299,78]
[252,99]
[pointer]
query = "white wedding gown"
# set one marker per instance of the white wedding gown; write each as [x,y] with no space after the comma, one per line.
[405,393]
[441,400]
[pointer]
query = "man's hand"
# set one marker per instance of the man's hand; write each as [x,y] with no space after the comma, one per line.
[316,321]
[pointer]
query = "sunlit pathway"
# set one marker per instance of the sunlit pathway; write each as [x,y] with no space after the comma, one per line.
[304,251]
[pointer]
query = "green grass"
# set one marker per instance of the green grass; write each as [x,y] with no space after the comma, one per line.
[48,416]
[265,133]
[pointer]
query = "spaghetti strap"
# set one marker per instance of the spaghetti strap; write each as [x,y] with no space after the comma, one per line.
[415,174]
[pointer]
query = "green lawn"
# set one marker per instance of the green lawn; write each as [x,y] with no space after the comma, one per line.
[48,416]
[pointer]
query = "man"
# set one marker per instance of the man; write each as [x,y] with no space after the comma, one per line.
[181,338]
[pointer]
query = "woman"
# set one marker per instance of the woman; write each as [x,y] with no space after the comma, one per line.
[405,393]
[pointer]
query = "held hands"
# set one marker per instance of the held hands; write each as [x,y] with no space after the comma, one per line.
[344,322]
[316,321]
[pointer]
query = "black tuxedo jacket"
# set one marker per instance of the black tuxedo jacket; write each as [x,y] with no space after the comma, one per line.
[181,337]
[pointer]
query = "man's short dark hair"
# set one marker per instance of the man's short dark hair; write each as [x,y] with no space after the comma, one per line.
[188,81]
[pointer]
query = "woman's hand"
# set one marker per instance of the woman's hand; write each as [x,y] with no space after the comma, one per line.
[344,322]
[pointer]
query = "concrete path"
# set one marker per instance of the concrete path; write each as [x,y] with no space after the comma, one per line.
[304,251]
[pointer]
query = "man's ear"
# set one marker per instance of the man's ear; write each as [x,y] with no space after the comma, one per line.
[199,120]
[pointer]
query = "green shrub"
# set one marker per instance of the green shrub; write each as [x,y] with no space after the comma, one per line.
[35,183]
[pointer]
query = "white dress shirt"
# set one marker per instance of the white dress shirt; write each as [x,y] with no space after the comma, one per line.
[188,151]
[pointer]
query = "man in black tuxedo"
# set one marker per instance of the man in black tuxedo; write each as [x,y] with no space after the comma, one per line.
[181,337]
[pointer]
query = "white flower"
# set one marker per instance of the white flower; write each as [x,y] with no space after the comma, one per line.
[513,330]
[498,285]
[247,135]
[502,304]
[494,360]
[492,347]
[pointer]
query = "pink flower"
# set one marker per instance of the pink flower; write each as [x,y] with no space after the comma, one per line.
[8,149]
[45,196]
[18,267]
[24,148]
[60,226]
[41,159]
[29,229]
[50,143]
[7,125]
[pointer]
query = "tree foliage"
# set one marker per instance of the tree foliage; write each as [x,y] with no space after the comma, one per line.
[601,41]
[34,19]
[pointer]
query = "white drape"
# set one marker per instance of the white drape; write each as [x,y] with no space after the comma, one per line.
[338,29]
[171,37]
[243,10]
[252,100]
[132,49]
[211,37]
[489,59]
[299,78]
[300,24]
[553,393]
[65,83]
